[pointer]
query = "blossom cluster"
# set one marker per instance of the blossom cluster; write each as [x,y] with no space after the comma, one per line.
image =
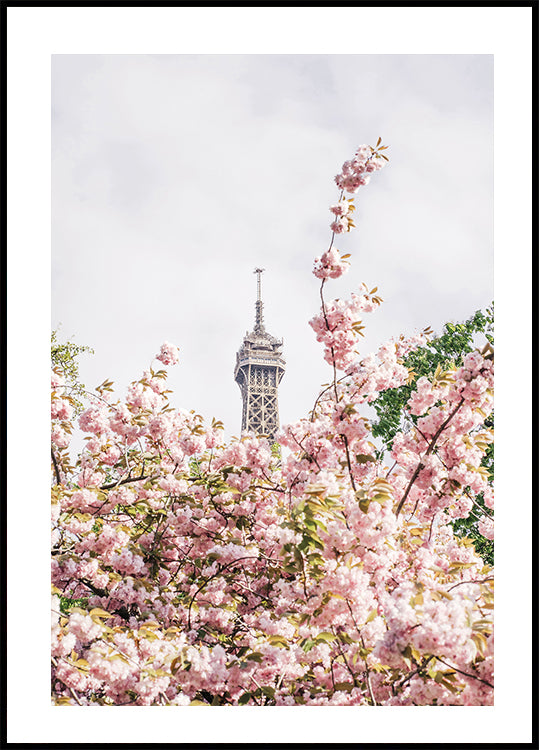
[330,265]
[169,354]
[357,171]
[338,326]
[343,216]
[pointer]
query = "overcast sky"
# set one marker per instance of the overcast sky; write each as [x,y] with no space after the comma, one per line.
[174,176]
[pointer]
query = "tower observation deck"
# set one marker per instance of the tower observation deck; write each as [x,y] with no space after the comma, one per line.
[258,372]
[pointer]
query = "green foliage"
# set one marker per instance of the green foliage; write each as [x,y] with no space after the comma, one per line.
[444,351]
[466,527]
[66,603]
[64,359]
[456,340]
[276,450]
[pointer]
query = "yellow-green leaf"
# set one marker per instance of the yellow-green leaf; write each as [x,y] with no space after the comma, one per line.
[372,615]
[97,612]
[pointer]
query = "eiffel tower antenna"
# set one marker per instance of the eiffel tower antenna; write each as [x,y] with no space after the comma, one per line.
[259,320]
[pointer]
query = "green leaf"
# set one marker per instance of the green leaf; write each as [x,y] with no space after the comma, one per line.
[255,656]
[372,615]
[325,637]
[363,458]
[345,687]
[277,640]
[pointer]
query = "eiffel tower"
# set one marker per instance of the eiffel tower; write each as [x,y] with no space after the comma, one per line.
[258,372]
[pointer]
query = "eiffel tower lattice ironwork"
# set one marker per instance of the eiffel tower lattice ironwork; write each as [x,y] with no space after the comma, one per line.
[258,372]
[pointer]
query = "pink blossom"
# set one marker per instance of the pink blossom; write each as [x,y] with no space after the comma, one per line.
[341,224]
[354,173]
[169,354]
[342,208]
[60,408]
[486,527]
[57,380]
[59,437]
[95,420]
[84,628]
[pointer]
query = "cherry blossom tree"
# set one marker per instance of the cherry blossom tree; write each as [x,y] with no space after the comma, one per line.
[187,570]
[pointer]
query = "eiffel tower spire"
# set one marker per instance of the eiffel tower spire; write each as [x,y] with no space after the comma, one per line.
[258,372]
[259,319]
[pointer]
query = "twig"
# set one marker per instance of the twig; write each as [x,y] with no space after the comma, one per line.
[56,469]
[428,452]
[473,676]
[345,439]
[477,580]
[126,481]
[367,671]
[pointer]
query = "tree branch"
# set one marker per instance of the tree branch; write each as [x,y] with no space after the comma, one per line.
[473,676]
[428,452]
[56,469]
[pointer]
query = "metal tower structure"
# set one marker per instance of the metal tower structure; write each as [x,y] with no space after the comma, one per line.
[258,372]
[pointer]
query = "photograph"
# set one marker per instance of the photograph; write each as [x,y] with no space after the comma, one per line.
[336,546]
